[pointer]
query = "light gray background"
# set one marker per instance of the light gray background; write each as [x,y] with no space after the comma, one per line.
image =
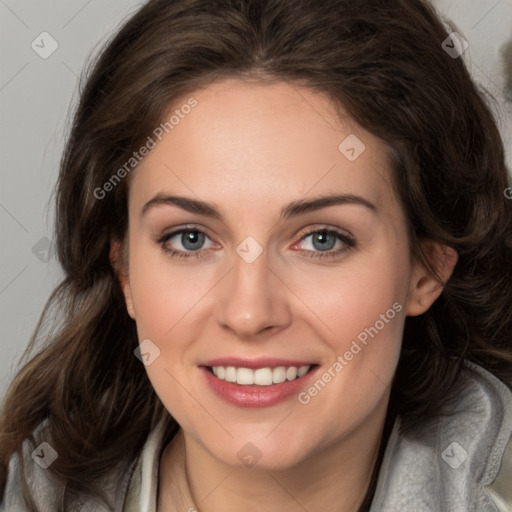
[36,96]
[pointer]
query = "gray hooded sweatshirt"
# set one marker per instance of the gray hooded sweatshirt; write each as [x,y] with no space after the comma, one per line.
[461,462]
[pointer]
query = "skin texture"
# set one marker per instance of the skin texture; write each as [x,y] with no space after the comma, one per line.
[251,149]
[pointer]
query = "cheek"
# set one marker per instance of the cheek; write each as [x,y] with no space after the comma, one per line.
[162,293]
[360,314]
[167,301]
[350,298]
[162,306]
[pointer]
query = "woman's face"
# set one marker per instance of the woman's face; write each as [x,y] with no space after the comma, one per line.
[269,277]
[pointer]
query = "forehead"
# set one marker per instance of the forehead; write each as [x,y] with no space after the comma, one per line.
[261,143]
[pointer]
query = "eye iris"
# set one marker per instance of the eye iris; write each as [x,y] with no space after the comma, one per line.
[193,237]
[322,236]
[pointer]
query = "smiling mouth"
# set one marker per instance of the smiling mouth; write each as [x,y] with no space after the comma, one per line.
[260,377]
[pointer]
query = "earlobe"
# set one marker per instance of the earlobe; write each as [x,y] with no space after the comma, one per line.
[119,264]
[424,287]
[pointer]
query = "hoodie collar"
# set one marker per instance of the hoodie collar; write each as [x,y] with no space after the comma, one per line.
[446,463]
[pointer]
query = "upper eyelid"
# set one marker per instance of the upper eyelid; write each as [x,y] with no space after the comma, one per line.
[176,231]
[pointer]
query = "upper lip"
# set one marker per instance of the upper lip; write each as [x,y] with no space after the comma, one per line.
[263,362]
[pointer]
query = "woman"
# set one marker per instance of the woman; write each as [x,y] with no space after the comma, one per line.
[287,250]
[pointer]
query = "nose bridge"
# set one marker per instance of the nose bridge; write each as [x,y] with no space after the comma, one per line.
[251,299]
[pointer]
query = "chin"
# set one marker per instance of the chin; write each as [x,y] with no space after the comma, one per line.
[260,455]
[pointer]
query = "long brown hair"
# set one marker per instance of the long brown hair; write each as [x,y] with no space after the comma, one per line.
[384,63]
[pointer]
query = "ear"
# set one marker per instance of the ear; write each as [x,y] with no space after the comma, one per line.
[424,287]
[119,262]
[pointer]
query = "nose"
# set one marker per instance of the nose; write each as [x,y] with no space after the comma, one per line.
[253,299]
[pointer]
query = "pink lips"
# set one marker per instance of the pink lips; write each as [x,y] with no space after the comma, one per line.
[254,396]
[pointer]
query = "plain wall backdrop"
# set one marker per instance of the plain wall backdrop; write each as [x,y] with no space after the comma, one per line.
[43,47]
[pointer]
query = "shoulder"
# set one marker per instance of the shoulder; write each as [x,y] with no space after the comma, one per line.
[493,402]
[42,485]
[499,460]
[44,488]
[483,419]
[500,491]
[457,461]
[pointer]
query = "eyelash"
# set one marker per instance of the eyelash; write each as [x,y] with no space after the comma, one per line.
[346,239]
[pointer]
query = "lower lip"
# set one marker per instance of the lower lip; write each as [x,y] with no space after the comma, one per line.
[256,396]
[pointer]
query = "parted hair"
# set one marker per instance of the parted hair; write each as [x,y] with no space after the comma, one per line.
[382,62]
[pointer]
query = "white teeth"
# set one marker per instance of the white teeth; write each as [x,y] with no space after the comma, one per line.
[244,376]
[230,374]
[263,376]
[291,373]
[302,371]
[279,374]
[260,377]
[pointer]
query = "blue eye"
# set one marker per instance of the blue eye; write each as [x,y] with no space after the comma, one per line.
[324,241]
[192,240]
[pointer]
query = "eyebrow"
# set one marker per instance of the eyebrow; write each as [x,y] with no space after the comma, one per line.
[293,209]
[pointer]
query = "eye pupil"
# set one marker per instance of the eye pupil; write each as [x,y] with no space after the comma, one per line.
[322,237]
[193,237]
